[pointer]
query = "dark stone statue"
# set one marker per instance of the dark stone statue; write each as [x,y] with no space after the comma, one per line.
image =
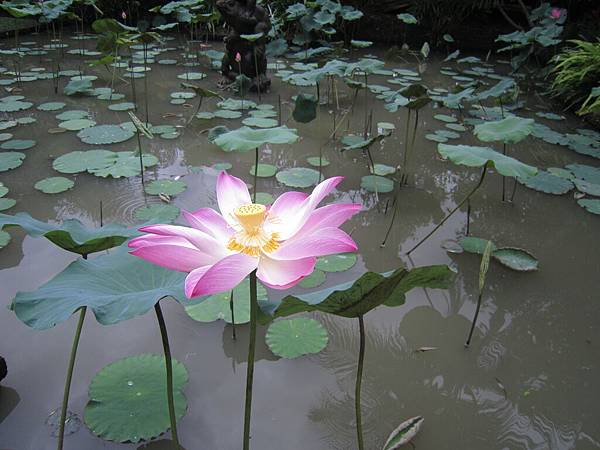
[245,17]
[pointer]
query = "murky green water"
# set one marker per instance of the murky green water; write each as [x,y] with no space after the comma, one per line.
[527,382]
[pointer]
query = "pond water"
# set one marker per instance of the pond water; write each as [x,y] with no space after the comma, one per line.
[526,382]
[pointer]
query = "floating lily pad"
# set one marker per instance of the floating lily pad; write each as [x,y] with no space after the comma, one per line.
[54,185]
[456,127]
[157,213]
[264,170]
[244,139]
[4,239]
[383,170]
[336,263]
[192,76]
[516,259]
[169,187]
[316,161]
[592,206]
[18,144]
[436,138]
[7,203]
[227,114]
[77,124]
[298,177]
[128,400]
[587,187]
[260,122]
[14,106]
[10,160]
[548,183]
[445,118]
[73,115]
[376,183]
[82,161]
[217,307]
[587,173]
[51,106]
[105,134]
[510,130]
[125,164]
[549,115]
[126,106]
[3,190]
[476,245]
[235,105]
[316,278]
[205,115]
[5,137]
[292,338]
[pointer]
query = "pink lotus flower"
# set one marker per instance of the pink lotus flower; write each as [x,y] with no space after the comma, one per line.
[238,57]
[555,13]
[123,15]
[219,250]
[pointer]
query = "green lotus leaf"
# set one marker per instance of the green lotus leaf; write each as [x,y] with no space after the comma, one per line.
[128,398]
[14,106]
[445,118]
[54,185]
[548,183]
[317,161]
[245,138]
[298,177]
[105,134]
[227,114]
[360,44]
[336,263]
[292,338]
[383,170]
[264,170]
[408,19]
[169,187]
[376,183]
[588,173]
[125,106]
[81,161]
[587,187]
[592,206]
[125,164]
[472,156]
[4,239]
[316,278]
[157,213]
[78,86]
[7,203]
[235,105]
[73,115]
[192,76]
[356,298]
[116,287]
[264,198]
[51,106]
[516,259]
[436,138]
[476,245]
[510,130]
[76,124]
[71,235]
[10,160]
[18,144]
[217,307]
[259,122]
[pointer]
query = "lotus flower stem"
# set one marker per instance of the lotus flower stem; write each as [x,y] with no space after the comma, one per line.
[405,159]
[65,401]
[256,67]
[232,315]
[146,83]
[139,139]
[468,216]
[255,174]
[169,367]
[359,372]
[512,196]
[251,352]
[504,178]
[197,111]
[366,105]
[279,108]
[466,199]
[474,321]
[387,233]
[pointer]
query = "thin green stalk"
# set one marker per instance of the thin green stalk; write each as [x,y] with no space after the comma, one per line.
[146,83]
[67,390]
[437,227]
[231,305]
[256,67]
[251,353]
[255,175]
[503,177]
[387,233]
[483,269]
[169,366]
[406,147]
[139,139]
[359,372]
[366,105]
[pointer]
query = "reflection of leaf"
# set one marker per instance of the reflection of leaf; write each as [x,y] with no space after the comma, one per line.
[117,287]
[305,109]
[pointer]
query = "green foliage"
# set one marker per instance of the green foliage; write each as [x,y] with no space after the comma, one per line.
[577,76]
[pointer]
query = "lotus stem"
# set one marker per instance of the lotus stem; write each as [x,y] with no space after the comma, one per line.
[196,113]
[366,106]
[406,148]
[387,233]
[474,320]
[503,177]
[512,196]
[279,108]
[232,315]
[468,216]
[255,174]
[251,353]
[146,83]
[256,67]
[359,372]
[65,401]
[139,139]
[466,199]
[169,366]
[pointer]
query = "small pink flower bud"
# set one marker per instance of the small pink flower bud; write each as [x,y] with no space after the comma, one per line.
[555,13]
[238,57]
[123,15]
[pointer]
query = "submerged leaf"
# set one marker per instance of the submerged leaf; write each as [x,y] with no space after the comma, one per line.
[405,432]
